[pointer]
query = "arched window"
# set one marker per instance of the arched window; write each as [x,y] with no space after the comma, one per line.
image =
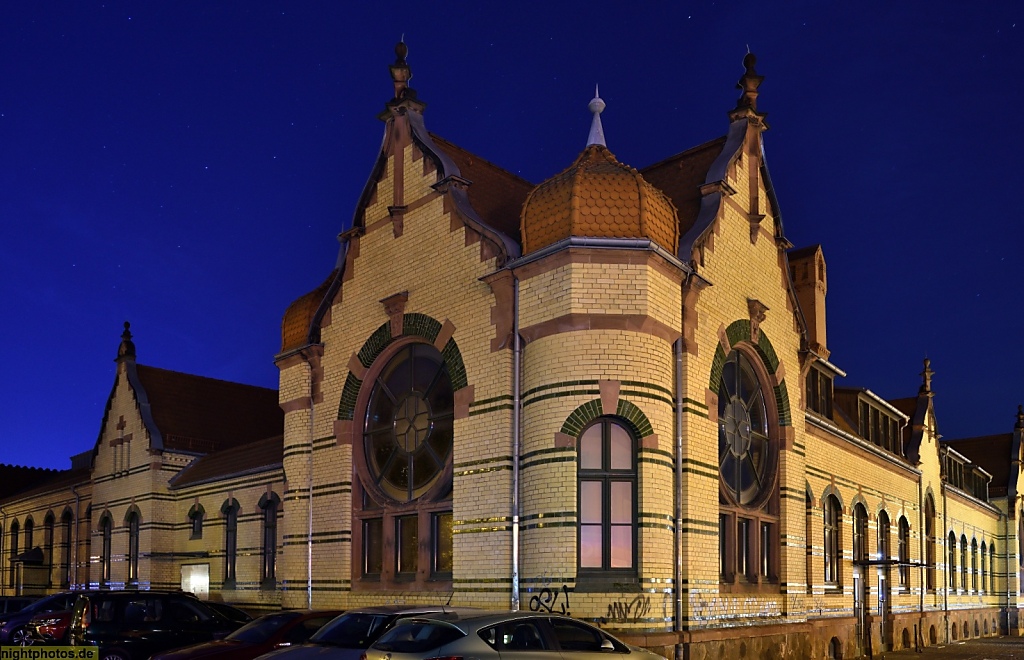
[15,529]
[808,545]
[132,523]
[930,542]
[963,563]
[833,540]
[904,553]
[268,549]
[607,498]
[984,573]
[992,567]
[860,533]
[195,521]
[974,565]
[951,560]
[404,488]
[66,540]
[106,531]
[48,523]
[30,528]
[747,459]
[230,511]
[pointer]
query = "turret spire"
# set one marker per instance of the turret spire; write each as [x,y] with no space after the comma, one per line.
[401,74]
[1020,418]
[926,386]
[127,347]
[596,106]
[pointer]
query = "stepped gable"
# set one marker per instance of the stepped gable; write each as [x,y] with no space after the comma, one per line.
[496,194]
[253,457]
[993,453]
[681,177]
[17,478]
[200,415]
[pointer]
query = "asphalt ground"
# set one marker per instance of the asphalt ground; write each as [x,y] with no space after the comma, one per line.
[992,648]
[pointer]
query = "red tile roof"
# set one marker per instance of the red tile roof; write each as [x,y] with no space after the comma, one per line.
[681,176]
[992,453]
[199,414]
[249,458]
[44,481]
[299,315]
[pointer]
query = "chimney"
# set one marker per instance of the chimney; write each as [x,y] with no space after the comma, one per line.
[807,266]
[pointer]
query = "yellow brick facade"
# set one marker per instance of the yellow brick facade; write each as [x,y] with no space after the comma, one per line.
[629,331]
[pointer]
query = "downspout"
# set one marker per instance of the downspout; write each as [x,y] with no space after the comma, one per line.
[924,553]
[309,506]
[677,578]
[945,536]
[517,359]
[3,583]
[74,546]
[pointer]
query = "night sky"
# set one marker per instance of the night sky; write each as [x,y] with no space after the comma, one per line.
[186,166]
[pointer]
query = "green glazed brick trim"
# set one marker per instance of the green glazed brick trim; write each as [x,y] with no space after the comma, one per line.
[716,368]
[486,411]
[767,351]
[692,461]
[655,461]
[456,367]
[695,403]
[580,417]
[546,525]
[648,525]
[421,325]
[543,452]
[377,342]
[647,395]
[650,386]
[655,452]
[553,514]
[546,461]
[695,411]
[559,395]
[349,394]
[738,331]
[483,461]
[782,401]
[484,581]
[496,468]
[629,411]
[551,386]
[493,399]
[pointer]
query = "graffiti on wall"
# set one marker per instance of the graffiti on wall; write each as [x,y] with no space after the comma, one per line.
[552,601]
[629,611]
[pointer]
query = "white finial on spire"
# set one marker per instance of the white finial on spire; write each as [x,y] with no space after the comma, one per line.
[596,106]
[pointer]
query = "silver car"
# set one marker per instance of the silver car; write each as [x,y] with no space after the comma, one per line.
[346,637]
[500,636]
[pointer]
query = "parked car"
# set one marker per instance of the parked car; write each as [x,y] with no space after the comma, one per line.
[50,627]
[229,612]
[490,636]
[14,626]
[11,604]
[259,636]
[347,636]
[133,625]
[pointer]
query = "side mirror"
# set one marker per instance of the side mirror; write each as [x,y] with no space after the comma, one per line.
[281,645]
[606,645]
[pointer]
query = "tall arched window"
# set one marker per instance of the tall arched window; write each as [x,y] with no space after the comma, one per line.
[48,546]
[809,546]
[984,573]
[904,553]
[607,499]
[106,532]
[860,533]
[66,540]
[930,542]
[992,567]
[30,528]
[833,540]
[15,530]
[963,562]
[951,560]
[974,565]
[747,460]
[132,522]
[404,464]
[268,550]
[230,511]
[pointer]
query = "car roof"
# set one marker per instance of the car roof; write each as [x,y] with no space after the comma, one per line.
[405,609]
[481,618]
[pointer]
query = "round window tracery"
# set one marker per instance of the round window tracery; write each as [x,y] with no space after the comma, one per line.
[407,434]
[743,442]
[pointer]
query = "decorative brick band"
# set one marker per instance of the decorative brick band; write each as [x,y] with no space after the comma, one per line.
[591,410]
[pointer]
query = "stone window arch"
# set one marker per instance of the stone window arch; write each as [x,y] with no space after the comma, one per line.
[904,553]
[133,521]
[196,517]
[106,530]
[230,513]
[833,526]
[930,542]
[269,505]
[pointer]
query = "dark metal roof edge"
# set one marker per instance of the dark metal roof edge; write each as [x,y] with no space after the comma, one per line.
[173,482]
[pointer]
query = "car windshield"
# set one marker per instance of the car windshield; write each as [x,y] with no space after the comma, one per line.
[355,630]
[55,602]
[260,630]
[417,637]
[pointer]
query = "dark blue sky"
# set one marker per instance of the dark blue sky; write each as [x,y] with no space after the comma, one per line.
[186,166]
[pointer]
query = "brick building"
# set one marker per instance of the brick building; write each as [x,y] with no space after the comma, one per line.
[609,394]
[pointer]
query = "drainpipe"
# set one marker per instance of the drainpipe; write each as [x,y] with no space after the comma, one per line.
[74,546]
[3,583]
[924,551]
[945,536]
[309,506]
[677,581]
[517,359]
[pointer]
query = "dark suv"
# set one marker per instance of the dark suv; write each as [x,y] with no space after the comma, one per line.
[14,626]
[133,625]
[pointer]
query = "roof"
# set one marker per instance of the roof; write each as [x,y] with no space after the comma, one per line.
[298,317]
[199,414]
[18,478]
[681,177]
[992,453]
[248,458]
[44,481]
[497,195]
[597,196]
